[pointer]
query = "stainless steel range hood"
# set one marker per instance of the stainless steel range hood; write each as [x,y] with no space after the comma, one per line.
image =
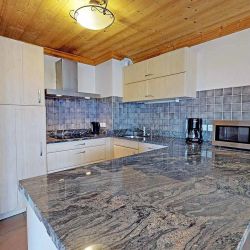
[67,81]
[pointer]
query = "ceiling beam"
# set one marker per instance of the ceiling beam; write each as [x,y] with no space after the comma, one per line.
[107,56]
[72,57]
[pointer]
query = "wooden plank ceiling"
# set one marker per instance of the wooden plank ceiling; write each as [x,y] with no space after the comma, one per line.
[142,29]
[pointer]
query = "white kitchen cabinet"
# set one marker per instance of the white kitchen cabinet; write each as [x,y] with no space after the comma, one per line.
[167,87]
[63,160]
[171,75]
[86,78]
[10,71]
[135,91]
[136,72]
[31,141]
[178,61]
[66,155]
[8,170]
[22,73]
[171,86]
[158,66]
[33,75]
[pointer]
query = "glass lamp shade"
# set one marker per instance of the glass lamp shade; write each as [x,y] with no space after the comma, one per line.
[94,17]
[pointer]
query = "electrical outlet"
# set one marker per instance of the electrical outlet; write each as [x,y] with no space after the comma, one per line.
[103,124]
[204,127]
[210,128]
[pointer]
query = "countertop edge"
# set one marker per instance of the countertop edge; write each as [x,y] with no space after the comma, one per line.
[52,234]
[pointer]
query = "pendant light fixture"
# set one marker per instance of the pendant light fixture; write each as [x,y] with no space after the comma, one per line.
[94,16]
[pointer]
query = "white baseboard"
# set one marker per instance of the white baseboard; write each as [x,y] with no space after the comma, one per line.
[12,213]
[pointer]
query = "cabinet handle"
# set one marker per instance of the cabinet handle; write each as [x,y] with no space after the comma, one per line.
[149,96]
[148,75]
[82,144]
[39,96]
[41,149]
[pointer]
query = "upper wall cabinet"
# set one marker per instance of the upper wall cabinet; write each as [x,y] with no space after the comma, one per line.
[33,75]
[10,71]
[136,72]
[170,75]
[22,73]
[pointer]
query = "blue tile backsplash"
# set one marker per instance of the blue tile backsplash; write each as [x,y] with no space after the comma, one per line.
[162,118]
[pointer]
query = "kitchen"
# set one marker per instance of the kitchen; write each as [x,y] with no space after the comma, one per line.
[127,136]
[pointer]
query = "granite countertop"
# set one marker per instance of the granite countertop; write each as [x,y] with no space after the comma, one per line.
[56,140]
[180,197]
[160,140]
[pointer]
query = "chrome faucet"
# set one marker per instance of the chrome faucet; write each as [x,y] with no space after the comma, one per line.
[144,131]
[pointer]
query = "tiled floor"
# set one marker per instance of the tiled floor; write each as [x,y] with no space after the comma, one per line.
[13,233]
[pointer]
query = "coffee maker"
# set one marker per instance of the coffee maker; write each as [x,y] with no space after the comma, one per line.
[194,130]
[96,128]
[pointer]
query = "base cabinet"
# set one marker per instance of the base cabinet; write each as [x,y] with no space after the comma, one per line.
[22,152]
[67,155]
[31,141]
[8,171]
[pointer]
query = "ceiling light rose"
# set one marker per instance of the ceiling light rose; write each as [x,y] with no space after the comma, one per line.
[94,16]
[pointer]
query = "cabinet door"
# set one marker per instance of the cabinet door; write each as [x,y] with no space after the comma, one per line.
[120,151]
[135,72]
[33,75]
[31,150]
[94,154]
[8,173]
[167,87]
[135,91]
[10,71]
[57,161]
[177,60]
[158,66]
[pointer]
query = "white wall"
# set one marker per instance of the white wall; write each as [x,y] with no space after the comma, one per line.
[224,62]
[86,78]
[50,72]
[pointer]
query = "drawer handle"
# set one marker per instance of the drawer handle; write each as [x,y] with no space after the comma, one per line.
[149,75]
[82,144]
[149,96]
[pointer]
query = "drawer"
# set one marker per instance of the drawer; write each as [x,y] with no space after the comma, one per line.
[74,158]
[63,146]
[126,143]
[64,159]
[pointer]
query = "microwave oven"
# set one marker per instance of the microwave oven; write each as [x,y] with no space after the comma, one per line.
[232,134]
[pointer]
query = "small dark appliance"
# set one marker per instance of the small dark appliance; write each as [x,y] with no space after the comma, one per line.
[194,130]
[96,128]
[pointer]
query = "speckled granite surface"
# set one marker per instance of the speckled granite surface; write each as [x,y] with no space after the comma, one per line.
[180,197]
[161,140]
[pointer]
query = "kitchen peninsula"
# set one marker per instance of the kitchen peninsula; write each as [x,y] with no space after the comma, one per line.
[179,197]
